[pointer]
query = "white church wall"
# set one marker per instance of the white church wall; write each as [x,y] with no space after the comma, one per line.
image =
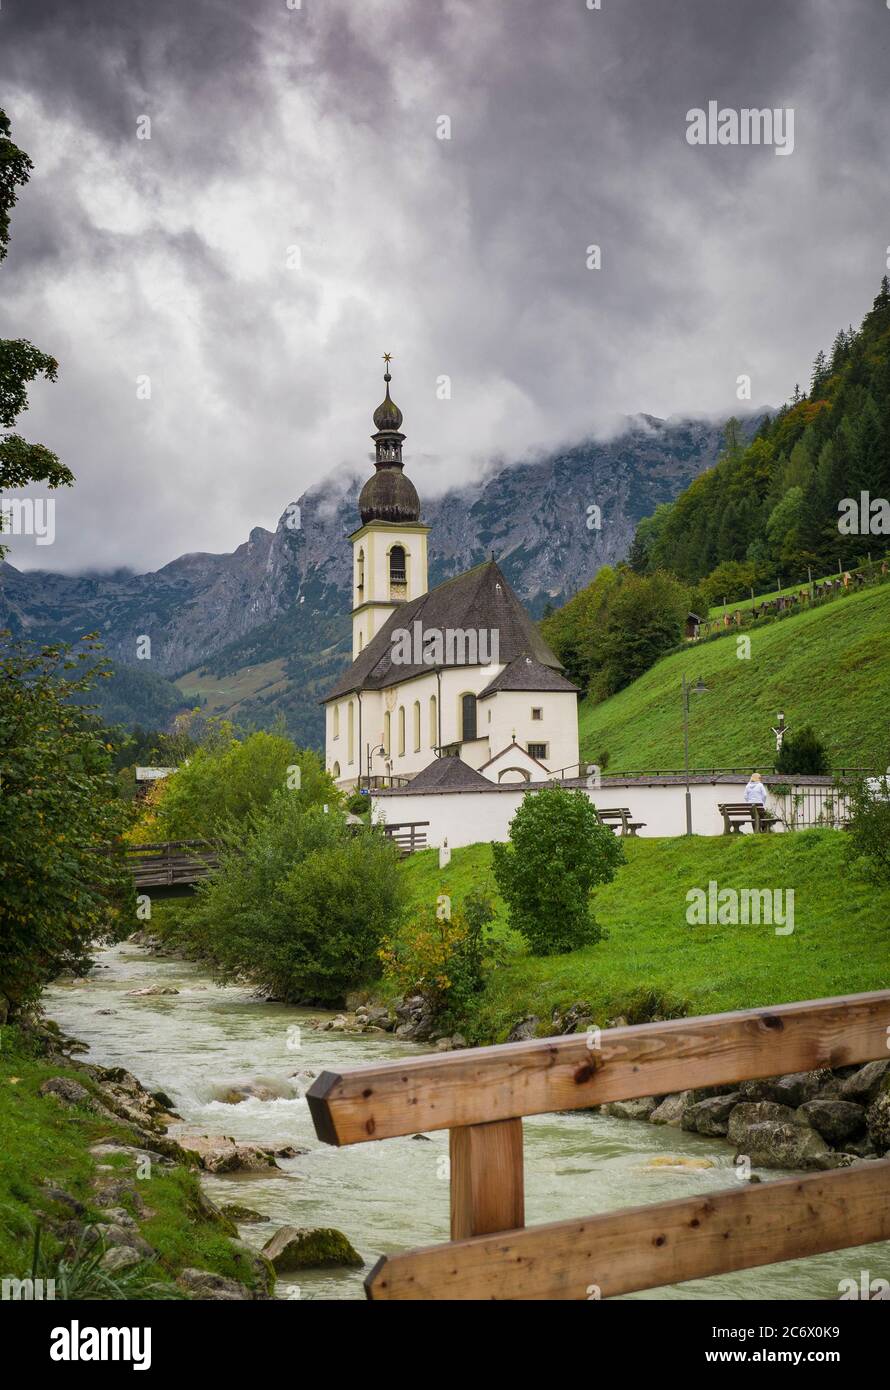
[512,719]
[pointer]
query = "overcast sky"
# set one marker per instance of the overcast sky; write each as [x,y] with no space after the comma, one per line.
[315,128]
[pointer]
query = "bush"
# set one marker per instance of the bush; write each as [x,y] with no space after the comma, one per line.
[299,904]
[229,779]
[557,853]
[59,809]
[868,845]
[444,954]
[802,753]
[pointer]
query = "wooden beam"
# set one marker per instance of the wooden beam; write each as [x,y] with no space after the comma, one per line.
[479,1085]
[648,1247]
[487,1185]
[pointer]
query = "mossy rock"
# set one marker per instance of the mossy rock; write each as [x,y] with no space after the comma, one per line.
[294,1247]
[243,1215]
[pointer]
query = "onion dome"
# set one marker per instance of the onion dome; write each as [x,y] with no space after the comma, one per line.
[387,416]
[389,495]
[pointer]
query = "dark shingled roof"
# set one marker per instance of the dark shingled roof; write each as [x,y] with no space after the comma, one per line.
[480,598]
[524,673]
[448,775]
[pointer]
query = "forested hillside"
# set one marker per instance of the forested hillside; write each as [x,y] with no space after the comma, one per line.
[772,508]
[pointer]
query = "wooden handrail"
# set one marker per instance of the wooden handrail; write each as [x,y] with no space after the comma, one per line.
[481,1095]
[620,1252]
[478,1085]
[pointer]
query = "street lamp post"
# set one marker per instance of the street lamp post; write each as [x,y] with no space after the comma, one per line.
[380,748]
[698,689]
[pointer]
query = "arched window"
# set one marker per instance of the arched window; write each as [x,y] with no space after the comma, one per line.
[398,572]
[350,732]
[335,771]
[360,572]
[387,724]
[434,722]
[416,726]
[401,730]
[336,722]
[468,716]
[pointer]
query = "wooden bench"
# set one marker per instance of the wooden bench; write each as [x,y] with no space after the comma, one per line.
[737,814]
[409,836]
[618,818]
[482,1094]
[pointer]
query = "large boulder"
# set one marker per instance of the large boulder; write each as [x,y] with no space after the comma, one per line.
[294,1247]
[864,1085]
[836,1120]
[711,1117]
[671,1109]
[749,1113]
[778,1144]
[416,1018]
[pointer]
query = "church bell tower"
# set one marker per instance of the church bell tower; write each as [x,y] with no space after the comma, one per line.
[390,547]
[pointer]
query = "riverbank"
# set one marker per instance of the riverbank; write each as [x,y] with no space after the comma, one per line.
[89,1178]
[202,1044]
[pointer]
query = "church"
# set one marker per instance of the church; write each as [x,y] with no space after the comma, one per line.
[447,685]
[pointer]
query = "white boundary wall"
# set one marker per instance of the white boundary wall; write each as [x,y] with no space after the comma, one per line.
[467,818]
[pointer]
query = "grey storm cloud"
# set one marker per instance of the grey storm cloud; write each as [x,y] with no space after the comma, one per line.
[294,215]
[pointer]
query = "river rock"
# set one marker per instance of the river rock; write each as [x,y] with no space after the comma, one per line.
[877,1119]
[67,1091]
[671,1109]
[120,1257]
[836,1120]
[749,1113]
[711,1117]
[778,1144]
[201,1283]
[244,1216]
[294,1247]
[523,1029]
[641,1108]
[865,1083]
[216,1153]
[416,1018]
[152,990]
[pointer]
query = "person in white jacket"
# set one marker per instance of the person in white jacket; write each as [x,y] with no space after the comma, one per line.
[755,791]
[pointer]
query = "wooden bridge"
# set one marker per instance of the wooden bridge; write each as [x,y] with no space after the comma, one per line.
[481,1094]
[172,868]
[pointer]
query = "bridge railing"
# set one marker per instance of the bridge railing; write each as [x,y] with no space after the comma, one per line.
[481,1095]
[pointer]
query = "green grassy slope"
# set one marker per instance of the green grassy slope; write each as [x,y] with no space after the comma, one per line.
[829,667]
[44,1142]
[654,962]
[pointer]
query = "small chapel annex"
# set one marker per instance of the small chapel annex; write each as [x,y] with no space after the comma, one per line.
[459,671]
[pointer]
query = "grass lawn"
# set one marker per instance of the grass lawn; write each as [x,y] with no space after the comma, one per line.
[829,667]
[653,962]
[45,1141]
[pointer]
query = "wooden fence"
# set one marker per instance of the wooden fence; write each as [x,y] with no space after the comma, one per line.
[481,1094]
[409,836]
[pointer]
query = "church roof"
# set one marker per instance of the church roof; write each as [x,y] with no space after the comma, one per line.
[525,673]
[448,775]
[478,599]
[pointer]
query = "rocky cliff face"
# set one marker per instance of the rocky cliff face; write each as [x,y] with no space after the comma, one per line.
[285,595]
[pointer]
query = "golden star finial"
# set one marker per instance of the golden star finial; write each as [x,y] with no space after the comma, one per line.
[387,357]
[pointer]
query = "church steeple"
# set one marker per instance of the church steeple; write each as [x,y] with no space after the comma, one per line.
[390,566]
[389,495]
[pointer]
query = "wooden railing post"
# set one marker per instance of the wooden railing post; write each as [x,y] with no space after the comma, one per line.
[487,1178]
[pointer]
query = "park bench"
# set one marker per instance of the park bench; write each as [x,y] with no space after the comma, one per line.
[736,815]
[409,836]
[482,1094]
[618,818]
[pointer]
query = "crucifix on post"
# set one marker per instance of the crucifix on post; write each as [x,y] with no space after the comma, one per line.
[780,731]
